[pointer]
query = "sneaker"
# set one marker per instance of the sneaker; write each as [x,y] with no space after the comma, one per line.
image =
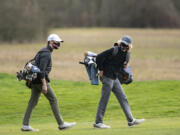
[29,128]
[135,122]
[101,125]
[66,125]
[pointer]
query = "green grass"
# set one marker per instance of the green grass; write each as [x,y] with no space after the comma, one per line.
[157,101]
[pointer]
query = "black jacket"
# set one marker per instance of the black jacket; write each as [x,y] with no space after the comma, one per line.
[44,63]
[112,64]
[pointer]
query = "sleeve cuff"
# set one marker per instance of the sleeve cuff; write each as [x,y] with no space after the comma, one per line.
[42,75]
[100,68]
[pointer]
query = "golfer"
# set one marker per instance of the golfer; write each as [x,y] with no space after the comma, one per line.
[109,66]
[42,85]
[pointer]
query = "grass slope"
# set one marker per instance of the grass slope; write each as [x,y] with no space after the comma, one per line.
[157,101]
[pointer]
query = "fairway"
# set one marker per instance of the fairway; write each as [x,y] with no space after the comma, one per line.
[156,126]
[156,101]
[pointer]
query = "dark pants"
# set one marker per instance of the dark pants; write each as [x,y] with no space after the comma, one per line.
[114,85]
[35,94]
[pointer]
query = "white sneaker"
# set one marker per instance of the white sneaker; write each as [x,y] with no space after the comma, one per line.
[101,125]
[66,125]
[135,122]
[28,128]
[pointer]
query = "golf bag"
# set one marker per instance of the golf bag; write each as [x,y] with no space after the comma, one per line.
[29,73]
[91,67]
[125,75]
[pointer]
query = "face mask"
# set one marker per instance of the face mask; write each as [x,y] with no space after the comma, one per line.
[56,45]
[124,47]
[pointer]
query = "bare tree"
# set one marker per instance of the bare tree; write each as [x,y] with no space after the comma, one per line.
[21,21]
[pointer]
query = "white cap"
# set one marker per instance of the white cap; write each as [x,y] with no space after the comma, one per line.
[54,37]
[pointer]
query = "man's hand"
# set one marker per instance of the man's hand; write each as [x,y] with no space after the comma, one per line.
[44,86]
[44,89]
[126,64]
[100,73]
[86,54]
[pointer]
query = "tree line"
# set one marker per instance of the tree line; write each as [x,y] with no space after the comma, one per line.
[27,20]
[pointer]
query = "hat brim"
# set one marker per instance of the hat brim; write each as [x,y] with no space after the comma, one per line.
[126,43]
[57,40]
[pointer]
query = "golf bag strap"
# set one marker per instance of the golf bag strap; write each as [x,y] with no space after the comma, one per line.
[29,62]
[115,51]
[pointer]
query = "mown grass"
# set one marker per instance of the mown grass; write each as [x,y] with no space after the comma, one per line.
[157,101]
[158,126]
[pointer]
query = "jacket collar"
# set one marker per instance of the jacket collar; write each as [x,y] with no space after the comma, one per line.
[49,48]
